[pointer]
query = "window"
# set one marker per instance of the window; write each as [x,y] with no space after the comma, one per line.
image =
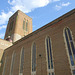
[34,59]
[4,66]
[73,72]
[49,57]
[21,61]
[12,63]
[70,46]
[27,25]
[11,26]
[24,24]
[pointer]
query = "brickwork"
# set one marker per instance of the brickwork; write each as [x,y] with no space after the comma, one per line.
[60,58]
[3,45]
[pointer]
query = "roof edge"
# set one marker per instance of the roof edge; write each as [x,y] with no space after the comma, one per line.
[47,25]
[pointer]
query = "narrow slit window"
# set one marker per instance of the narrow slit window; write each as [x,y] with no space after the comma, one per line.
[27,25]
[24,24]
[11,26]
[21,61]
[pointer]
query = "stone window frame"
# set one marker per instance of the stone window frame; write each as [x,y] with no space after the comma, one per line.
[71,67]
[50,71]
[32,72]
[22,50]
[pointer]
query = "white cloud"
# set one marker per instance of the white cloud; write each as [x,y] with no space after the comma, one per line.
[3,26]
[58,7]
[2,35]
[27,5]
[4,17]
[56,0]
[66,4]
[23,5]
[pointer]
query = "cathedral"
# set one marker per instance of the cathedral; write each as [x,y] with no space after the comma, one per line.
[50,50]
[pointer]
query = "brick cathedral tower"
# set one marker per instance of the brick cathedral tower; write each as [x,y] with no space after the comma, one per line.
[19,25]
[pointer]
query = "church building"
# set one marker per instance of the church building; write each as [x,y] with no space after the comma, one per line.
[50,50]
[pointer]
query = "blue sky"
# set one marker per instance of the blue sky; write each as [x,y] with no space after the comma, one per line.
[41,11]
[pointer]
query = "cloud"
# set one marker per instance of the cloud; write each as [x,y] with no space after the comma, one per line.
[3,26]
[57,7]
[27,5]
[56,0]
[61,5]
[23,5]
[2,35]
[4,17]
[66,4]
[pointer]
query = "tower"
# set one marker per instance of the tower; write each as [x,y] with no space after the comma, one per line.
[19,25]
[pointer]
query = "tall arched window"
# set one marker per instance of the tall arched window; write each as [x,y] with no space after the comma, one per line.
[21,61]
[70,47]
[4,67]
[12,63]
[49,56]
[34,59]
